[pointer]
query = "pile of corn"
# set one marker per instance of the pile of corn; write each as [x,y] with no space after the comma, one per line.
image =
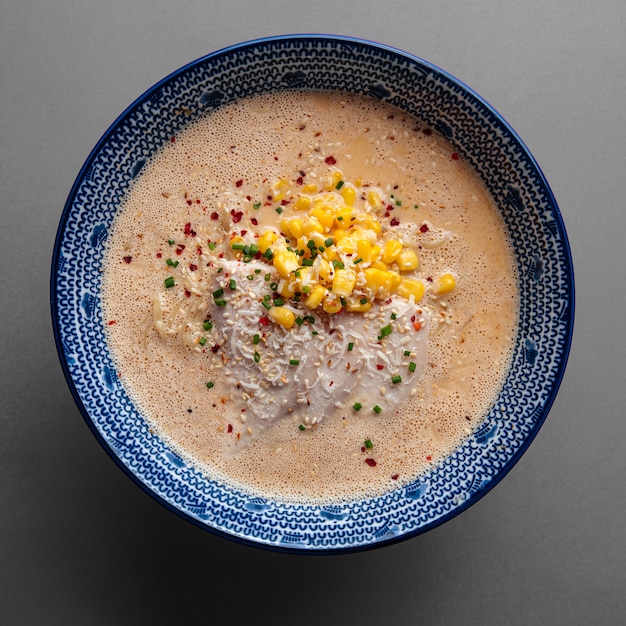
[333,256]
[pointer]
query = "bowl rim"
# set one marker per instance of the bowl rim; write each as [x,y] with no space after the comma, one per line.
[317,549]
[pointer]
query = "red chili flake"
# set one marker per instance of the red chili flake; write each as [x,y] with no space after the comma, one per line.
[331,160]
[394,476]
[331,383]
[389,207]
[362,448]
[158,255]
[197,200]
[254,221]
[429,279]
[187,229]
[230,428]
[193,267]
[215,348]
[284,202]
[239,183]
[380,367]
[454,156]
[424,228]
[299,180]
[243,233]
[172,139]
[128,259]
[248,198]
[236,215]
[187,293]
[111,322]
[215,215]
[394,222]
[180,248]
[199,251]
[371,462]
[189,202]
[264,321]
[429,458]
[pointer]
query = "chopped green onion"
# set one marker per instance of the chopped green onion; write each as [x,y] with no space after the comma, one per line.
[256,339]
[171,242]
[398,203]
[342,300]
[250,276]
[329,242]
[267,297]
[220,303]
[278,302]
[339,185]
[394,316]
[256,205]
[237,246]
[212,246]
[218,292]
[377,409]
[232,284]
[299,321]
[302,427]
[257,271]
[207,325]
[310,244]
[267,277]
[267,304]
[350,347]
[396,379]
[338,265]
[368,444]
[268,254]
[357,261]
[363,300]
[412,366]
[220,270]
[294,361]
[385,331]
[273,286]
[307,262]
[210,384]
[253,249]
[357,406]
[407,353]
[306,289]
[279,210]
[202,341]
[257,357]
[169,282]
[340,218]
[172,263]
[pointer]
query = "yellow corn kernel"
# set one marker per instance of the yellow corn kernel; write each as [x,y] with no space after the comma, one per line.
[444,284]
[266,240]
[335,178]
[343,217]
[343,282]
[348,245]
[373,199]
[332,305]
[358,305]
[309,188]
[339,234]
[407,260]
[330,254]
[287,288]
[391,250]
[376,279]
[279,189]
[281,315]
[363,233]
[324,268]
[395,279]
[304,276]
[315,297]
[380,265]
[410,287]
[364,250]
[323,217]
[285,262]
[294,227]
[303,203]
[348,194]
[369,222]
[310,225]
[375,253]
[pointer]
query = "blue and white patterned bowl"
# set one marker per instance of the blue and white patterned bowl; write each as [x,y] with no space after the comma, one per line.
[476,130]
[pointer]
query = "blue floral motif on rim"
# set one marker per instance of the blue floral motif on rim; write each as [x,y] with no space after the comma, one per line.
[440,101]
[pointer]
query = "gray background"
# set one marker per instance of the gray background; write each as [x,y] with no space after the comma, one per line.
[81,544]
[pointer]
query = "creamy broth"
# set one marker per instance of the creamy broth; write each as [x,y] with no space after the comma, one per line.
[221,176]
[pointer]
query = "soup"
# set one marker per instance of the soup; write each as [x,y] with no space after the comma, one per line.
[310,296]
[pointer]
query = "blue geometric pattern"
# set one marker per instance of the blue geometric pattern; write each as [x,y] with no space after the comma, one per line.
[477,132]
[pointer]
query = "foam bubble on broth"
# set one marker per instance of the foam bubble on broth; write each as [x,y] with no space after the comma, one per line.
[236,152]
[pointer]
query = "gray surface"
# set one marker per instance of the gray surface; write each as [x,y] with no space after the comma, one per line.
[81,544]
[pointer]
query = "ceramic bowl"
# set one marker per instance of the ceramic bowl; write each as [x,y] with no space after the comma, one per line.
[477,131]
